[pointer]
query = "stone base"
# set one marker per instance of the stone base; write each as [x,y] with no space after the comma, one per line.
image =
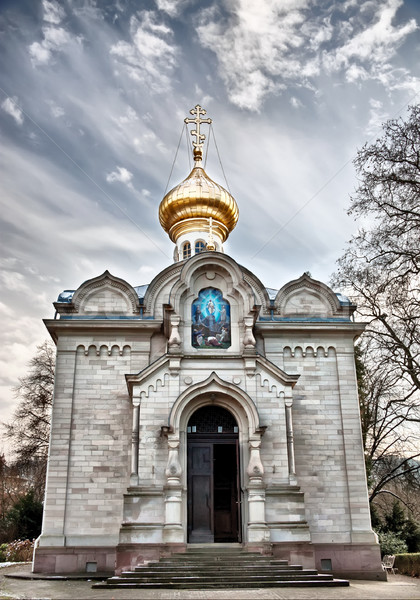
[129,556]
[74,559]
[350,561]
[346,561]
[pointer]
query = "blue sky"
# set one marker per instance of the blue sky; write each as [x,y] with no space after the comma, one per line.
[92,101]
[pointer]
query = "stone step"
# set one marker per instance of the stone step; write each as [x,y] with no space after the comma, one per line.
[217,569]
[228,559]
[225,585]
[222,576]
[216,572]
[213,569]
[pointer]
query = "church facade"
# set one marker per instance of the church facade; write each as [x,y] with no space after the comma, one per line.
[205,408]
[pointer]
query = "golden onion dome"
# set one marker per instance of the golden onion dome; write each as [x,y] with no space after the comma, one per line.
[189,205]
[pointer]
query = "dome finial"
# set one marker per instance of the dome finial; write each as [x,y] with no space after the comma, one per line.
[200,137]
[210,243]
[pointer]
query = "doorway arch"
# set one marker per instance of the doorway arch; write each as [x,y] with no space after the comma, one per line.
[213,476]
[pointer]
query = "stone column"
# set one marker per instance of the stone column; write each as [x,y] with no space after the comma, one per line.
[173,530]
[257,526]
[290,440]
[134,477]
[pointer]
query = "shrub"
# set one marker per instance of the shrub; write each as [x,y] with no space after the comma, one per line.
[3,548]
[408,564]
[391,543]
[25,517]
[19,551]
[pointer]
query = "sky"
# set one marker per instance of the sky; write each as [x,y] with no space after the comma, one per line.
[93,97]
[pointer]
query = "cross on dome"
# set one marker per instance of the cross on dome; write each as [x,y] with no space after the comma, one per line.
[200,137]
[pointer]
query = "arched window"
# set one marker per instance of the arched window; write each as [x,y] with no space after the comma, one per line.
[200,246]
[186,250]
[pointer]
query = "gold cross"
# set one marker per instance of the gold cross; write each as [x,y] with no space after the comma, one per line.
[200,137]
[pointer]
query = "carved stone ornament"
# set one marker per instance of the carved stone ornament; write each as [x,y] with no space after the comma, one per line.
[249,339]
[173,470]
[174,341]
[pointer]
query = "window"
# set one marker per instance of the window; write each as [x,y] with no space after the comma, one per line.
[186,250]
[199,247]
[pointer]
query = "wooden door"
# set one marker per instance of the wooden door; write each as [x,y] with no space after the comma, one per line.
[226,503]
[200,492]
[213,490]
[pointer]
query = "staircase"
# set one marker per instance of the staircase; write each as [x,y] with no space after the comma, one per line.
[219,567]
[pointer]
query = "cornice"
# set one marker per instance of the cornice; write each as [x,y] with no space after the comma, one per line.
[57,327]
[277,327]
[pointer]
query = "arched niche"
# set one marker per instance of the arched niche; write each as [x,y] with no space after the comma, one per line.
[215,391]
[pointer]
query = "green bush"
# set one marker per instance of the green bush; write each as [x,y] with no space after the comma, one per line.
[391,543]
[3,548]
[408,564]
[25,517]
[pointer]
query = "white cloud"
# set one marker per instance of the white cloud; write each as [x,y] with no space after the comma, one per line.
[55,40]
[14,281]
[263,48]
[10,106]
[375,44]
[53,12]
[171,7]
[149,59]
[56,110]
[295,102]
[129,117]
[122,175]
[257,47]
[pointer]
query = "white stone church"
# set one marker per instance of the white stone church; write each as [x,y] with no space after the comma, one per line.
[205,408]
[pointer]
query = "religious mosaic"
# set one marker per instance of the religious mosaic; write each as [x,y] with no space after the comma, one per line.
[210,314]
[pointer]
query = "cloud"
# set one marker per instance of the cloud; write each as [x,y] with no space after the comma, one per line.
[172,7]
[149,58]
[365,53]
[53,12]
[122,175]
[257,47]
[14,281]
[11,107]
[295,102]
[54,38]
[265,48]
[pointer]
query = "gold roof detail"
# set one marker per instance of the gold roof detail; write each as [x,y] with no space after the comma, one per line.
[189,205]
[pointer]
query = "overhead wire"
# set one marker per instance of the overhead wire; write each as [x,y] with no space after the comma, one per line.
[173,163]
[325,185]
[124,212]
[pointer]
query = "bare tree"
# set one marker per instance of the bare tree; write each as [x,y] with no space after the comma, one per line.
[390,437]
[381,266]
[29,430]
[380,270]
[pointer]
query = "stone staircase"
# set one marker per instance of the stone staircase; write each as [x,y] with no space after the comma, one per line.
[219,567]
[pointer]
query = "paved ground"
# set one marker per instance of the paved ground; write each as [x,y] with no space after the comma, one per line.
[398,587]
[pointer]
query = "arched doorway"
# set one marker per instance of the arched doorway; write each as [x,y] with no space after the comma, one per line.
[213,476]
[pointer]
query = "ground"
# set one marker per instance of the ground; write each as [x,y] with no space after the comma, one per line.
[398,587]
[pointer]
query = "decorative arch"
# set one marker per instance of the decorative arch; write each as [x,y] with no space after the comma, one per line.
[307,297]
[221,393]
[207,267]
[128,302]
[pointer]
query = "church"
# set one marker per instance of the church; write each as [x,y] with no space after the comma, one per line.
[205,409]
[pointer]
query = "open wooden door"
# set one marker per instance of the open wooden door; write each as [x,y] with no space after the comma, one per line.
[200,492]
[213,476]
